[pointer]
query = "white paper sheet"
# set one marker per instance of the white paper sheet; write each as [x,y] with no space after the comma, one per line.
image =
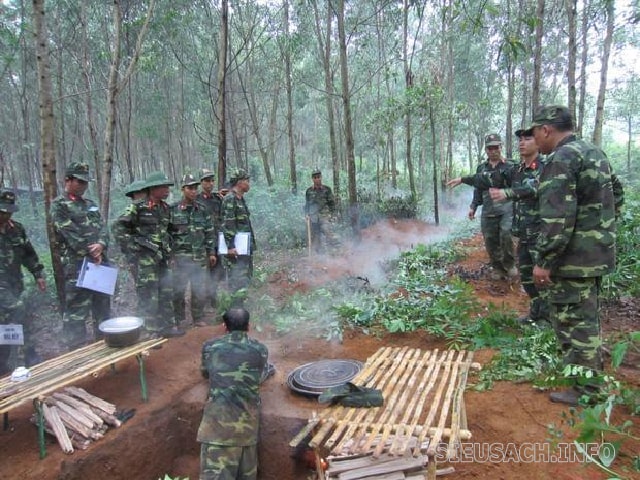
[100,278]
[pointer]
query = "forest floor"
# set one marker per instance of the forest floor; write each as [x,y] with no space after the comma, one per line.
[160,438]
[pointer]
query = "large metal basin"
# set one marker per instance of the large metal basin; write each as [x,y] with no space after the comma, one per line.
[121,331]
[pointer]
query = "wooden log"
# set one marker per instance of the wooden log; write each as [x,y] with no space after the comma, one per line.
[91,399]
[80,406]
[72,412]
[59,430]
[108,418]
[72,423]
[78,441]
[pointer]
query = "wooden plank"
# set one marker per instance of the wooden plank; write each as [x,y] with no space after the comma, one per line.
[398,465]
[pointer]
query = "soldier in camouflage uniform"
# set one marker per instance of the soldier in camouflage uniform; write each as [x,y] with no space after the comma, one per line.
[319,208]
[194,251]
[497,216]
[16,251]
[235,365]
[519,183]
[236,219]
[79,233]
[212,201]
[142,232]
[136,190]
[576,245]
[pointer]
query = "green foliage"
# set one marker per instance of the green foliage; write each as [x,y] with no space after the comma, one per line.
[626,278]
[167,477]
[398,206]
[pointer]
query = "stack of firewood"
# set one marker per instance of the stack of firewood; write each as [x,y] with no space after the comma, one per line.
[76,418]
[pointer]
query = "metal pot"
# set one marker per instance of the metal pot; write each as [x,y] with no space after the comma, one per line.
[121,331]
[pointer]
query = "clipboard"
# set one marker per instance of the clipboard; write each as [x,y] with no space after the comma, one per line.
[242,241]
[99,278]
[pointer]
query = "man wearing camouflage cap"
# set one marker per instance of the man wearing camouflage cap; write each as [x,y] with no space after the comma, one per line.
[16,252]
[576,245]
[497,216]
[319,207]
[236,219]
[79,233]
[193,252]
[212,201]
[142,232]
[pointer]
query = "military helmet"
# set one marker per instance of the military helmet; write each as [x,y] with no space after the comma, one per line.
[188,179]
[316,172]
[158,179]
[206,173]
[8,202]
[135,187]
[78,170]
[492,140]
[239,174]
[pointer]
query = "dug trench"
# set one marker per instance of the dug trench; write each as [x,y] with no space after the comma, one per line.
[160,438]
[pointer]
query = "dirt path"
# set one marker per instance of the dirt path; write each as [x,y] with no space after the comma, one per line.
[160,438]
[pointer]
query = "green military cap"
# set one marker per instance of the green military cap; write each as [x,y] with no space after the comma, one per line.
[524,132]
[188,179]
[8,202]
[135,187]
[78,170]
[206,173]
[239,174]
[317,171]
[492,140]
[550,114]
[158,179]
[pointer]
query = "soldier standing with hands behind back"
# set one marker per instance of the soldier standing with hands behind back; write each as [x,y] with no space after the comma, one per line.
[16,251]
[319,207]
[80,233]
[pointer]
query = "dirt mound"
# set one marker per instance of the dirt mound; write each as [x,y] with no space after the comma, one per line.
[160,438]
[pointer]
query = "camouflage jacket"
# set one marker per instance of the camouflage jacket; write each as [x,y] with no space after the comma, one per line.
[16,251]
[520,184]
[213,205]
[481,197]
[235,218]
[577,212]
[144,228]
[319,201]
[77,224]
[192,231]
[234,365]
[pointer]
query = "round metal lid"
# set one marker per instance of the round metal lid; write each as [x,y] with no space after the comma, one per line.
[315,377]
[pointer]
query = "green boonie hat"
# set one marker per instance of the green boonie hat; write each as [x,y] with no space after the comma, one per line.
[316,172]
[135,187]
[8,202]
[188,179]
[550,114]
[524,132]
[492,140]
[239,174]
[158,179]
[206,173]
[78,170]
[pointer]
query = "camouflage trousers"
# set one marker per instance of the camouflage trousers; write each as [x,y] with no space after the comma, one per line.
[215,275]
[498,242]
[12,311]
[155,292]
[218,462]
[322,232]
[80,304]
[189,275]
[538,308]
[575,315]
[240,273]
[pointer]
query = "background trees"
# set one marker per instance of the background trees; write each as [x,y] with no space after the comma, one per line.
[265,87]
